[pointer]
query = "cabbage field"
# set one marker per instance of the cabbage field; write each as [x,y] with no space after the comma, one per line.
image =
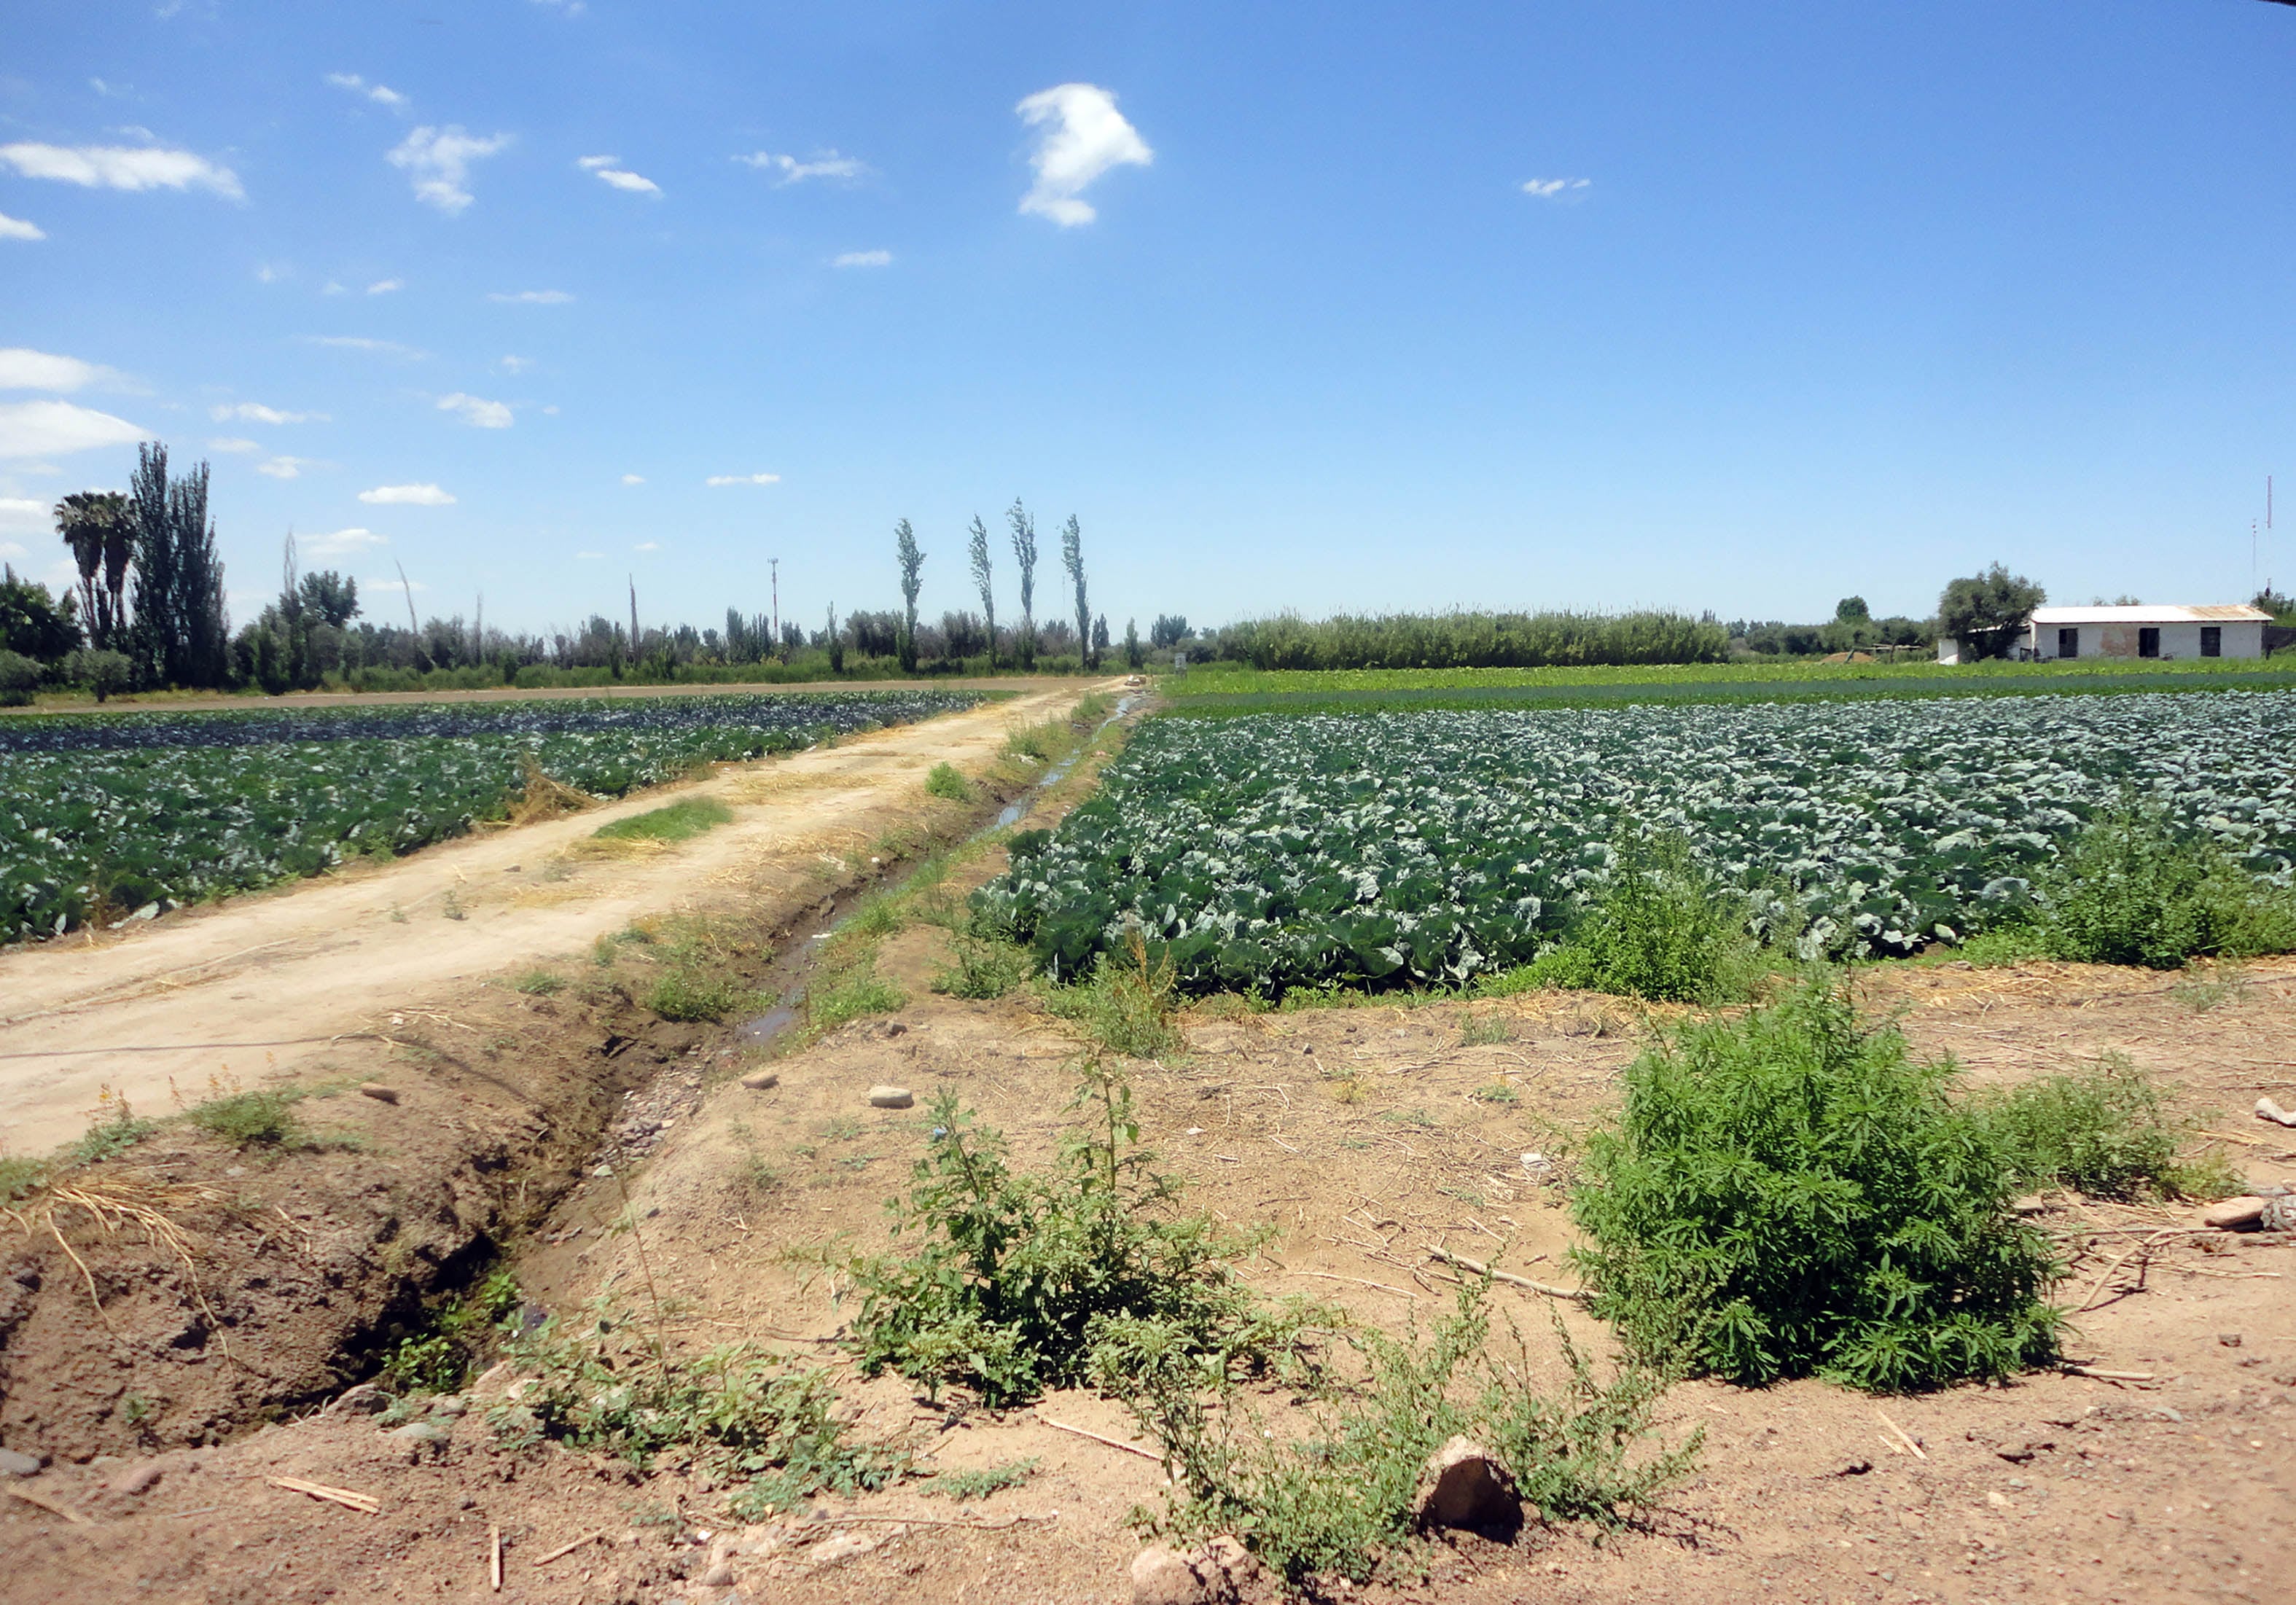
[126,810]
[1423,848]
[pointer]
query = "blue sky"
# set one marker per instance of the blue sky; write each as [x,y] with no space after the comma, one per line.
[1525,305]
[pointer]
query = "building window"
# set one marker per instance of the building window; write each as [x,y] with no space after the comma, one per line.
[2211,640]
[2068,644]
[2148,641]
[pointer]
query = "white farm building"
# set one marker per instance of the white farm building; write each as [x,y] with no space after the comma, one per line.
[2210,630]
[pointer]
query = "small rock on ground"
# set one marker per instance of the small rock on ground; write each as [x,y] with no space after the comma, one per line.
[14,1463]
[1465,1486]
[891,1097]
[378,1092]
[2234,1213]
[757,1081]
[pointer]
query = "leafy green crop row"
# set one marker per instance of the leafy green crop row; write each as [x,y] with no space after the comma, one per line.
[88,822]
[1417,848]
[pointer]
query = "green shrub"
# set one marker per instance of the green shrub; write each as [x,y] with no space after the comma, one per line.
[680,820]
[1013,1274]
[540,983]
[944,782]
[768,1424]
[979,968]
[964,1485]
[104,672]
[460,1332]
[1788,1193]
[112,1136]
[689,992]
[853,995]
[266,1117]
[1130,1005]
[19,678]
[1339,1502]
[20,1178]
[2132,890]
[2108,1134]
[1662,931]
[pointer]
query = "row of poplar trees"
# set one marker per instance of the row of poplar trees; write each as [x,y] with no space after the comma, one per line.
[1023,524]
[150,585]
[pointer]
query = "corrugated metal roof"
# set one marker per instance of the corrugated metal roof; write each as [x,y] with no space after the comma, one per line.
[2224,612]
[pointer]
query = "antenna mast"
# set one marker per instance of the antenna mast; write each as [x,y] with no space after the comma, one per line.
[776,564]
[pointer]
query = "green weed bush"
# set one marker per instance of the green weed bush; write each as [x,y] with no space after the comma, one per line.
[855,994]
[1788,1193]
[1339,1502]
[687,992]
[2132,890]
[265,1118]
[964,1485]
[944,782]
[540,983]
[2109,1133]
[979,968]
[1013,1274]
[1130,1005]
[460,1332]
[1662,931]
[681,821]
[606,1384]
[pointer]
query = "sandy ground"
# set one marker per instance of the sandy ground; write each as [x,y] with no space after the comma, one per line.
[257,986]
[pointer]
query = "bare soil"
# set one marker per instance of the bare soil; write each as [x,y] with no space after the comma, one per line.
[1366,1136]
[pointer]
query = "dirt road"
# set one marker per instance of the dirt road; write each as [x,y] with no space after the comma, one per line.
[259,985]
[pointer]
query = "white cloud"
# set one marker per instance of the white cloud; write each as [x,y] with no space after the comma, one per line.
[406,496]
[341,543]
[394,586]
[633,479]
[234,444]
[11,549]
[22,515]
[268,274]
[376,93]
[360,342]
[531,298]
[590,557]
[863,258]
[647,546]
[333,287]
[789,169]
[24,369]
[568,8]
[1084,135]
[1554,189]
[16,228]
[743,480]
[439,160]
[550,411]
[255,412]
[50,429]
[609,170]
[385,286]
[122,167]
[477,413]
[284,468]
[515,364]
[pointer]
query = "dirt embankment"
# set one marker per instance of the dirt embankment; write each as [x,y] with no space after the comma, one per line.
[201,1279]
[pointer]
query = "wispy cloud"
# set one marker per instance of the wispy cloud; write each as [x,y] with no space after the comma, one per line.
[515,364]
[863,258]
[232,443]
[52,428]
[477,413]
[531,298]
[255,412]
[406,496]
[438,160]
[284,468]
[1083,136]
[16,228]
[386,286]
[743,480]
[22,368]
[22,515]
[609,170]
[633,479]
[792,169]
[647,546]
[376,93]
[1554,189]
[122,167]
[341,543]
[393,587]
[373,347]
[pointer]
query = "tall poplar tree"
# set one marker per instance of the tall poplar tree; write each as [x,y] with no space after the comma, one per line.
[1072,559]
[1024,554]
[913,562]
[981,578]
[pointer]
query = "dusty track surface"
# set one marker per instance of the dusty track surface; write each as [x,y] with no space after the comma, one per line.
[260,985]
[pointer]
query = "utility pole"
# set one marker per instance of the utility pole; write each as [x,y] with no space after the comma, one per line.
[775,564]
[634,619]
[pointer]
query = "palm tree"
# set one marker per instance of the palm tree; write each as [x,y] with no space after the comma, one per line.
[94,524]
